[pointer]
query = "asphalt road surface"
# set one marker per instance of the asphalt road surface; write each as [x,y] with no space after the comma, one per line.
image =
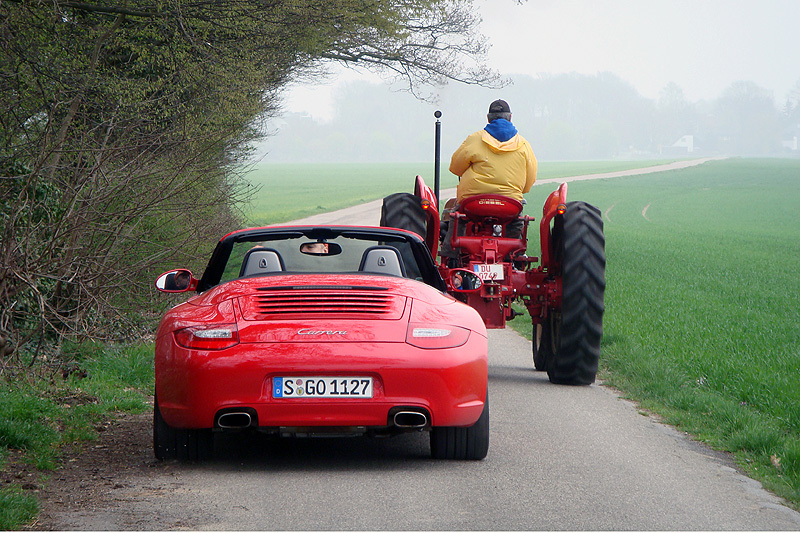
[574,458]
[560,458]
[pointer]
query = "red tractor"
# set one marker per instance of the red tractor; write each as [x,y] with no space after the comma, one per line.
[562,289]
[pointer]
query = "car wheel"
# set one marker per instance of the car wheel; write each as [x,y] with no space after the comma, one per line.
[471,443]
[404,210]
[579,325]
[182,444]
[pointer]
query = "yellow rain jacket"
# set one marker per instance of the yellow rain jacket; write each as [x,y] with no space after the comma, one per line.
[488,166]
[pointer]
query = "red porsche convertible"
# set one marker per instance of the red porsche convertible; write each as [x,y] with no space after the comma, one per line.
[309,331]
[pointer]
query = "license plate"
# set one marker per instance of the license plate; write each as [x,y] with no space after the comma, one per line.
[322,387]
[489,272]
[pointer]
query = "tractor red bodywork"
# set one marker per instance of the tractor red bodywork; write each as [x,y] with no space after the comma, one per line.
[481,244]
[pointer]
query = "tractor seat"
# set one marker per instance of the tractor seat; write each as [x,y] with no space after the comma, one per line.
[499,209]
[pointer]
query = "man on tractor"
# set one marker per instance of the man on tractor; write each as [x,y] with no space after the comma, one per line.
[484,264]
[494,160]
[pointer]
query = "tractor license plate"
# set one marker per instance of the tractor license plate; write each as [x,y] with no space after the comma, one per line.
[489,272]
[322,387]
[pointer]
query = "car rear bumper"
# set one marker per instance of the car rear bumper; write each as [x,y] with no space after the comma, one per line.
[194,386]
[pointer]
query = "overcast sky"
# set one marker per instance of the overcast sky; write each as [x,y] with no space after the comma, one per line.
[702,45]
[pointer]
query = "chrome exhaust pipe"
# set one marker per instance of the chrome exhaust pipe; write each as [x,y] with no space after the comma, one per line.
[410,419]
[234,420]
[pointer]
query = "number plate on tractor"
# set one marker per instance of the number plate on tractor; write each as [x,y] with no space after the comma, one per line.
[489,272]
[322,387]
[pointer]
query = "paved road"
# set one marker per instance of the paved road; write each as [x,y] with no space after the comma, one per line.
[560,458]
[574,458]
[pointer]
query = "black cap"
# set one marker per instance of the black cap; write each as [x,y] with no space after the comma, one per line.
[499,106]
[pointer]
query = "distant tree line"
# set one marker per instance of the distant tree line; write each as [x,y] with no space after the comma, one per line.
[568,116]
[123,128]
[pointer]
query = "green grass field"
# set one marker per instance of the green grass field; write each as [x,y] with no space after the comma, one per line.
[292,191]
[703,302]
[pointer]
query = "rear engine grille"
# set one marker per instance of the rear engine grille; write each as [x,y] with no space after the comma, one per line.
[322,302]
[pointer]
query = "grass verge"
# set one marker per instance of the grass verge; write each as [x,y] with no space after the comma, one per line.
[41,414]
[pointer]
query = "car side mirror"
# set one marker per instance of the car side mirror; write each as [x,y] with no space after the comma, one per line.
[180,280]
[462,280]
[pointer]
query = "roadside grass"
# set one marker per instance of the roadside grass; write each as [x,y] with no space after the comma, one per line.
[292,191]
[39,415]
[16,508]
[703,302]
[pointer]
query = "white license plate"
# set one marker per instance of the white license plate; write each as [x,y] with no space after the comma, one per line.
[489,272]
[322,387]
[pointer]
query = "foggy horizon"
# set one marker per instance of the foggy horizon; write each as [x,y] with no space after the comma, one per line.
[703,46]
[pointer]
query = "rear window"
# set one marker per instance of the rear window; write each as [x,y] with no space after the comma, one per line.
[345,255]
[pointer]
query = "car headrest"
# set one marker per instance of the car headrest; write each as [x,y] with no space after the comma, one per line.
[261,261]
[382,260]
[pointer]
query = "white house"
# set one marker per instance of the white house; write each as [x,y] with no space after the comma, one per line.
[687,141]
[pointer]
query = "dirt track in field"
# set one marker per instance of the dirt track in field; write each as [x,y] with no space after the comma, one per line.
[370,212]
[677,165]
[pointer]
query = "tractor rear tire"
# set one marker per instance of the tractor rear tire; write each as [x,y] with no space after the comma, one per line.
[578,327]
[404,210]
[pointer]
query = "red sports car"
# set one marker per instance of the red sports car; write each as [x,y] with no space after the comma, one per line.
[303,330]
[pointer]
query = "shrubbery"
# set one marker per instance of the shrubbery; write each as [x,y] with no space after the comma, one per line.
[123,129]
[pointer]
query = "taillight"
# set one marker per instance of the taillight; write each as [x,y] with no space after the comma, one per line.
[210,337]
[434,336]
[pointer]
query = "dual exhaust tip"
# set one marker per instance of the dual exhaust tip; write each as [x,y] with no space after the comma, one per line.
[403,419]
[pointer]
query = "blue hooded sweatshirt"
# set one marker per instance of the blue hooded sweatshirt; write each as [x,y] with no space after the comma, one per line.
[501,129]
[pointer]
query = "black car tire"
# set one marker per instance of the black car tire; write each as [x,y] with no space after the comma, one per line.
[182,444]
[578,328]
[404,211]
[469,443]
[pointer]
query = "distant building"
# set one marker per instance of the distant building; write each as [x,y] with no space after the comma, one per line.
[687,142]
